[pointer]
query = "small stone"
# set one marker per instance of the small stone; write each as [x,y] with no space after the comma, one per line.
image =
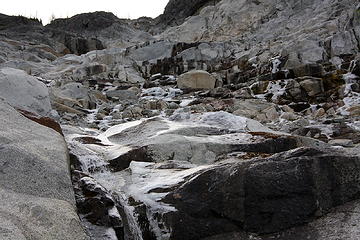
[342,142]
[287,109]
[289,116]
[173,105]
[319,113]
[313,86]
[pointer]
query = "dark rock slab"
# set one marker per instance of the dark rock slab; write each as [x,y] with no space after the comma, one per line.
[264,195]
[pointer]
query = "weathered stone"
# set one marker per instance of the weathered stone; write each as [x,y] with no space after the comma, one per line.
[37,197]
[196,79]
[24,92]
[313,70]
[312,86]
[342,142]
[122,94]
[262,196]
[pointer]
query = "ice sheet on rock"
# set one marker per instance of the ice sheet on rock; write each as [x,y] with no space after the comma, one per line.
[180,115]
[154,92]
[277,89]
[186,102]
[349,79]
[146,177]
[275,64]
[173,92]
[161,93]
[351,98]
[110,234]
[118,129]
[113,212]
[89,158]
[355,125]
[90,118]
[231,122]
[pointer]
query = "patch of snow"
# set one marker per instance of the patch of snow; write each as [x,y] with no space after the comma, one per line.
[355,125]
[155,92]
[110,234]
[173,92]
[117,129]
[91,182]
[113,212]
[180,115]
[90,118]
[349,79]
[351,98]
[156,75]
[161,93]
[186,102]
[254,61]
[231,122]
[276,89]
[145,177]
[275,64]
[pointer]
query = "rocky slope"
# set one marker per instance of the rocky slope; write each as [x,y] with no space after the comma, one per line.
[217,120]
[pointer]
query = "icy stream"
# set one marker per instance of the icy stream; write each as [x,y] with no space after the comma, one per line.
[135,184]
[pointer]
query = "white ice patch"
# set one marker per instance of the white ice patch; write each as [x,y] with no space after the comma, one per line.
[90,118]
[277,89]
[231,122]
[186,102]
[349,79]
[113,212]
[146,178]
[161,93]
[173,92]
[351,98]
[118,129]
[154,92]
[110,234]
[355,125]
[275,64]
[91,182]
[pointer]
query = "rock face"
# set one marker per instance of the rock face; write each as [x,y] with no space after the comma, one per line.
[243,195]
[37,197]
[16,21]
[230,20]
[177,11]
[196,79]
[100,27]
[23,91]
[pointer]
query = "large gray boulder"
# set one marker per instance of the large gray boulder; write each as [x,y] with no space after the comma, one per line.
[37,200]
[24,92]
[196,79]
